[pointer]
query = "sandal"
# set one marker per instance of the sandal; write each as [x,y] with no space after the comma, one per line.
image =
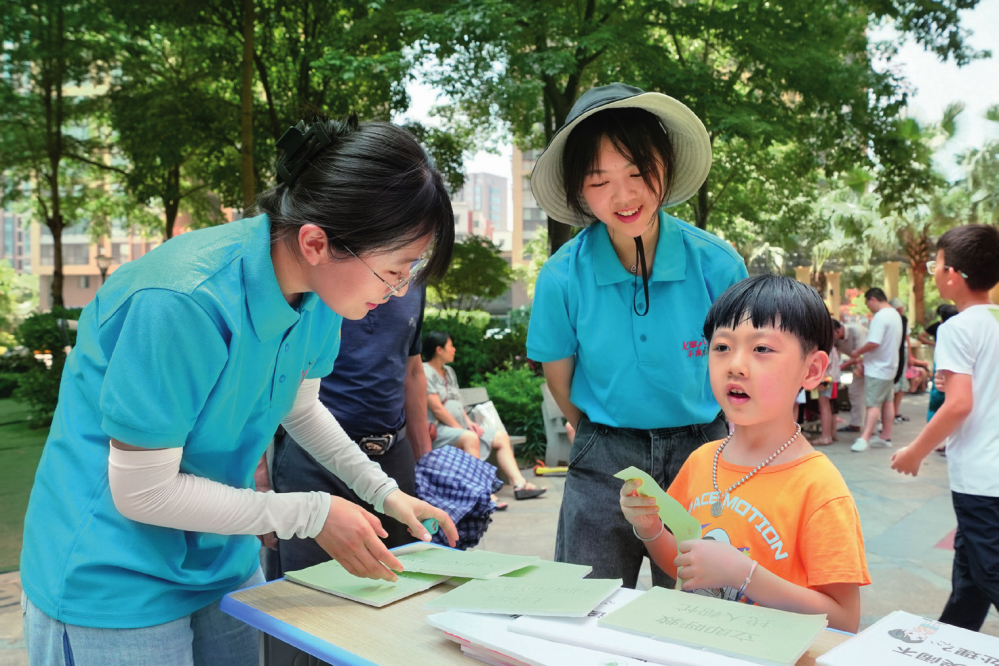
[527,491]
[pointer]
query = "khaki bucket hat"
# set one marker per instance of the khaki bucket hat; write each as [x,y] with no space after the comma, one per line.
[690,142]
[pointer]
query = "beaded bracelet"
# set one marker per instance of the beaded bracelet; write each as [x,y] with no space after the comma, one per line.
[745,583]
[662,528]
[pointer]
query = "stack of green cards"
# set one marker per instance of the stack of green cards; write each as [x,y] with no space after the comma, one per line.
[749,632]
[331,577]
[542,570]
[518,596]
[465,563]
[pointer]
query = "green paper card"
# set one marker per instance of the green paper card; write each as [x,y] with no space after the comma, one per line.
[755,633]
[542,570]
[683,526]
[464,563]
[331,577]
[517,596]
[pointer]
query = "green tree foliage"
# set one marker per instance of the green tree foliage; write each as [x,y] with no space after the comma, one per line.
[477,274]
[18,295]
[981,177]
[52,52]
[39,386]
[759,74]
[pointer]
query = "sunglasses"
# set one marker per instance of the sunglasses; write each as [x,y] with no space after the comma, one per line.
[414,271]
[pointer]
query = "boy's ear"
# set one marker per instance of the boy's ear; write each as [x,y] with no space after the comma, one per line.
[815,364]
[312,243]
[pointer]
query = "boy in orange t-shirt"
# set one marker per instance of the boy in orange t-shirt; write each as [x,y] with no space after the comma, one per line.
[779,525]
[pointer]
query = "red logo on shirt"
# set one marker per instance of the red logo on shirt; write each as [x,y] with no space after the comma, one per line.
[696,348]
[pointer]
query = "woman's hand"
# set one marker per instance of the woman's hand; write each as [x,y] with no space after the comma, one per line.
[640,510]
[351,537]
[410,511]
[708,563]
[476,428]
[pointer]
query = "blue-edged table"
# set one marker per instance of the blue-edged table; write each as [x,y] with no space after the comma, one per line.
[346,633]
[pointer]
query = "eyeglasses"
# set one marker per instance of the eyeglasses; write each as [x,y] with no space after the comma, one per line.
[414,271]
[931,267]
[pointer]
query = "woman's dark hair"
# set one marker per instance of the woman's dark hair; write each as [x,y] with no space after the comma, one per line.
[636,133]
[372,189]
[837,324]
[778,301]
[973,249]
[432,341]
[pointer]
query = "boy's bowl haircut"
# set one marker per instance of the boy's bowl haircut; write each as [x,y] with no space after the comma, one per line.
[774,301]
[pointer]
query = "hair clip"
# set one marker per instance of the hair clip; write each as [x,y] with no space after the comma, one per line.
[291,142]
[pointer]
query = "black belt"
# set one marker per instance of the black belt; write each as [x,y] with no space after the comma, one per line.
[379,445]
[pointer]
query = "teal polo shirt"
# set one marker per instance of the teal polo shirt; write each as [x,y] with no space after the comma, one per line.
[631,371]
[191,346]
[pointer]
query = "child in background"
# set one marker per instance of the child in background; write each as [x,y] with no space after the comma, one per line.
[967,357]
[780,526]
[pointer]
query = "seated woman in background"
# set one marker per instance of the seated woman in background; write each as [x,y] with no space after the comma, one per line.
[444,409]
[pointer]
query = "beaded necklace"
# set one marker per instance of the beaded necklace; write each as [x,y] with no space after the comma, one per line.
[716,508]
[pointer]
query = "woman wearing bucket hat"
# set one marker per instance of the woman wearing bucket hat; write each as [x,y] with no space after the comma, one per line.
[618,311]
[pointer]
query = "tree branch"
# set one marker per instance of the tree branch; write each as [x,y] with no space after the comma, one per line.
[100,165]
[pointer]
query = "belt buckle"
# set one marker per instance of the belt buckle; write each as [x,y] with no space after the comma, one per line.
[376,445]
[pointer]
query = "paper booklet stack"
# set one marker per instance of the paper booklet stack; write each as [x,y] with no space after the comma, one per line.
[904,639]
[631,627]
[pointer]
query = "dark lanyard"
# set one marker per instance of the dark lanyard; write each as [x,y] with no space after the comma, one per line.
[640,248]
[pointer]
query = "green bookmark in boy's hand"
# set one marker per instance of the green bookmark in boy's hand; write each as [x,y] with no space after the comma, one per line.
[683,525]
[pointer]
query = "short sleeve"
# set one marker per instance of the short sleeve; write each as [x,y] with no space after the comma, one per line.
[434,381]
[680,488]
[832,545]
[165,355]
[954,350]
[551,335]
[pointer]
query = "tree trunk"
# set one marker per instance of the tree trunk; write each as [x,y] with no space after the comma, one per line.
[247,111]
[702,210]
[917,249]
[55,226]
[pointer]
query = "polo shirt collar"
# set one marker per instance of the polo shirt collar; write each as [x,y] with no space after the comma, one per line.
[671,257]
[270,313]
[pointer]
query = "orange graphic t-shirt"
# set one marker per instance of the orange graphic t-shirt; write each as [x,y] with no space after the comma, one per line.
[796,519]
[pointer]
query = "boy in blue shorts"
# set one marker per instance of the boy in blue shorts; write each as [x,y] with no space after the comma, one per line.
[967,358]
[780,528]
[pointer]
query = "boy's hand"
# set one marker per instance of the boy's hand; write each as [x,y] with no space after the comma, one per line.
[640,510]
[708,563]
[906,461]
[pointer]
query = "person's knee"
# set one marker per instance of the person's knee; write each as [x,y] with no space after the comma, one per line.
[469,443]
[501,441]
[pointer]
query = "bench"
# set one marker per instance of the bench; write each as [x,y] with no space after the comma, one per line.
[476,395]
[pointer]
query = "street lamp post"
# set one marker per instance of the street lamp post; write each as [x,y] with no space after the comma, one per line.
[103,263]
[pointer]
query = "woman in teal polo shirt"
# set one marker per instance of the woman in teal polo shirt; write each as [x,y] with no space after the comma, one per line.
[143,512]
[618,310]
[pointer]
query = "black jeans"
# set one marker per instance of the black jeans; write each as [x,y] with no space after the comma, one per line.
[975,575]
[591,528]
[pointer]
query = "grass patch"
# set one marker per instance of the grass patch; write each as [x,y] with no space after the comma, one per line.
[20,450]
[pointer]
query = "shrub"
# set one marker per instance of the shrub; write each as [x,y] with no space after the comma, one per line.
[39,387]
[16,362]
[516,392]
[8,382]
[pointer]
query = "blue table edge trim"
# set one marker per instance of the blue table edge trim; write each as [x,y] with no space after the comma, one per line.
[292,635]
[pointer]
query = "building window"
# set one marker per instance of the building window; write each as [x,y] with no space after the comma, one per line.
[83,281]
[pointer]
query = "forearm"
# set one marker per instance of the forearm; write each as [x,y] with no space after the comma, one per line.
[947,419]
[443,416]
[770,590]
[662,550]
[863,349]
[317,431]
[417,428]
[559,374]
[147,487]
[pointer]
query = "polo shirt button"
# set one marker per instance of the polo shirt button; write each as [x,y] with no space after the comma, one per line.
[281,379]
[287,347]
[643,338]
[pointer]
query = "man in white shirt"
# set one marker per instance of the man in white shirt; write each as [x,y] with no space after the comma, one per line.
[880,354]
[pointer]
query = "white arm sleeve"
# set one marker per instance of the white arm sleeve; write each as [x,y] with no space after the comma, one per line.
[147,487]
[311,425]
